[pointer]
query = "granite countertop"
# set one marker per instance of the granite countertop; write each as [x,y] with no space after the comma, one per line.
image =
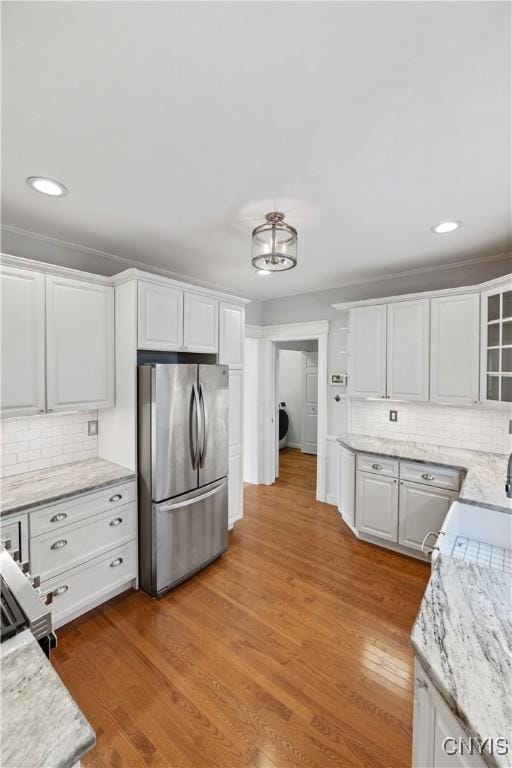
[41,724]
[34,489]
[463,640]
[483,485]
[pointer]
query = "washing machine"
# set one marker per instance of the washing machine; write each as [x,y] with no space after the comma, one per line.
[284,423]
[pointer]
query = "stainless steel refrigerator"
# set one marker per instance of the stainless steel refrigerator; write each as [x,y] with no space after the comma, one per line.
[183,467]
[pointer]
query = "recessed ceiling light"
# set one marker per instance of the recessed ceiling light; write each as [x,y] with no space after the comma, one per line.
[47,186]
[446,226]
[263,272]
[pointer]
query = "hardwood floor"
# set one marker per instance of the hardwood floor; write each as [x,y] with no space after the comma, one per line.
[291,650]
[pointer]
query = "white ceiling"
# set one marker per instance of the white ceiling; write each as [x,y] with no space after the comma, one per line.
[177,126]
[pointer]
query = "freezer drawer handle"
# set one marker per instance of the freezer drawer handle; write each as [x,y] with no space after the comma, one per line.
[59,544]
[116,562]
[116,521]
[57,518]
[188,502]
[116,497]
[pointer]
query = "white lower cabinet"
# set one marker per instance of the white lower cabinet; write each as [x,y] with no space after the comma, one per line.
[85,549]
[422,509]
[347,486]
[235,487]
[439,740]
[377,505]
[78,590]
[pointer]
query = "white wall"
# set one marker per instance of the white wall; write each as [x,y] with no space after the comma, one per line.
[476,428]
[290,390]
[38,442]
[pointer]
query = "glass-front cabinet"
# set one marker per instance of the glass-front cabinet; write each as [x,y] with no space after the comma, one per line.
[497,345]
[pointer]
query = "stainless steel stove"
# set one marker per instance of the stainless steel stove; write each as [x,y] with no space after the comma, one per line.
[23,604]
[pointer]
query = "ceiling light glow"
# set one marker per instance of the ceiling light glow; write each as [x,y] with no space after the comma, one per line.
[263,272]
[446,226]
[47,186]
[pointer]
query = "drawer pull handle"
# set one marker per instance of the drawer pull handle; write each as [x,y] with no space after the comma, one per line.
[116,562]
[59,544]
[7,543]
[426,476]
[376,466]
[116,521]
[116,497]
[57,518]
[428,550]
[60,590]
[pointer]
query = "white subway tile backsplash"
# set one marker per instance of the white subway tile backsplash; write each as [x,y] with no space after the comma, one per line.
[473,427]
[44,441]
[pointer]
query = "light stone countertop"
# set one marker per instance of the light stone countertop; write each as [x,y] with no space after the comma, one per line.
[463,640]
[483,485]
[41,725]
[29,490]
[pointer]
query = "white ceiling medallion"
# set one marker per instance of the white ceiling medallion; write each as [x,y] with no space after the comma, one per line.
[274,245]
[445,227]
[47,186]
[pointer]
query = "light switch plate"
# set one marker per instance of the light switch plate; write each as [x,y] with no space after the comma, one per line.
[92,428]
[393,415]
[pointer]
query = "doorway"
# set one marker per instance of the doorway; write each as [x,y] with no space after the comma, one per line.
[296,398]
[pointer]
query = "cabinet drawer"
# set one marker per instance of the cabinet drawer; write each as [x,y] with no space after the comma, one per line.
[378,465]
[441,477]
[72,510]
[78,589]
[71,545]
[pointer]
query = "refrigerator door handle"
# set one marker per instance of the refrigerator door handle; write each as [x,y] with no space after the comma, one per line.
[193,500]
[194,426]
[204,420]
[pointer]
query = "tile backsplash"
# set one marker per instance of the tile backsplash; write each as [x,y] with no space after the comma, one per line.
[38,442]
[473,427]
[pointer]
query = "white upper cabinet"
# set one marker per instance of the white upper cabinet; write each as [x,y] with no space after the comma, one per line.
[200,328]
[79,344]
[368,351]
[496,365]
[22,342]
[160,311]
[408,350]
[454,348]
[231,334]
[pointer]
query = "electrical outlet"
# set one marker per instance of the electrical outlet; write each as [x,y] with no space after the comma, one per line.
[393,415]
[92,428]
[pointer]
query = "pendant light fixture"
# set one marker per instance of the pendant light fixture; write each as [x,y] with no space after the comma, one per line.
[274,245]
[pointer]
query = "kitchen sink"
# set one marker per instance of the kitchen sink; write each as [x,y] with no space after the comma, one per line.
[478,535]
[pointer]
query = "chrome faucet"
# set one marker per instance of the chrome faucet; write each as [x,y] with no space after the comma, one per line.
[508,484]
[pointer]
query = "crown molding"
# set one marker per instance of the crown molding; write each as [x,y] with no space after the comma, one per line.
[130,265]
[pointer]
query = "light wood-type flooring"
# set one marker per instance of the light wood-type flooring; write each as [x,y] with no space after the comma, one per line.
[291,650]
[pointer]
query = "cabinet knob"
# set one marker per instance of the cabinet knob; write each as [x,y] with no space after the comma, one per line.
[58,517]
[116,497]
[116,521]
[59,544]
[116,562]
[427,476]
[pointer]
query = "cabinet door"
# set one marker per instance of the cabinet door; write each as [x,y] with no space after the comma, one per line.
[347,486]
[496,360]
[235,408]
[200,323]
[454,349]
[22,342]
[235,487]
[408,350]
[79,344]
[367,352]
[231,334]
[422,509]
[377,506]
[160,321]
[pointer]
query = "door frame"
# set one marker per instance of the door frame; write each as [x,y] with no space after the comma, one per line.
[270,335]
